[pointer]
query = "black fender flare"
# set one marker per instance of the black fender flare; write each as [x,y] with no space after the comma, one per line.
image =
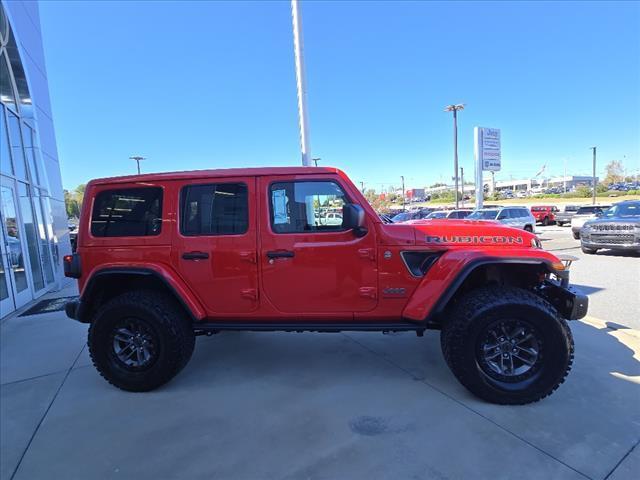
[82,308]
[439,308]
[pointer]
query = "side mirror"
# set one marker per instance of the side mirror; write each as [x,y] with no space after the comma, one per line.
[353,218]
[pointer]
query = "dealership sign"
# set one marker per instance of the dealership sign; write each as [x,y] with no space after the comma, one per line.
[487,148]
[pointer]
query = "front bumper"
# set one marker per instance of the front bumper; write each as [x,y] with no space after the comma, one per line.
[571,303]
[617,239]
[630,247]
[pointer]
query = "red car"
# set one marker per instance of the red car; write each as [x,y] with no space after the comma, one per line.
[544,214]
[164,257]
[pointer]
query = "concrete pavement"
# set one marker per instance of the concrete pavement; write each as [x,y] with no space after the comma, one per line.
[278,405]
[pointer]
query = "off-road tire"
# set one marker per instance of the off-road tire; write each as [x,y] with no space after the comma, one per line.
[560,224]
[576,236]
[169,323]
[528,228]
[545,221]
[589,251]
[467,322]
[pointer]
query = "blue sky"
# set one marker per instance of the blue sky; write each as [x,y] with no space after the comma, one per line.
[194,85]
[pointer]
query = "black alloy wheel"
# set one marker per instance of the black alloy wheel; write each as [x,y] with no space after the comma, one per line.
[135,345]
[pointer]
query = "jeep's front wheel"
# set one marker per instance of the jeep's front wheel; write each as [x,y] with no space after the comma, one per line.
[140,340]
[507,345]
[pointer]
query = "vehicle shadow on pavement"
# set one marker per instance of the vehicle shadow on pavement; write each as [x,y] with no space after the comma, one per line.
[590,423]
[587,289]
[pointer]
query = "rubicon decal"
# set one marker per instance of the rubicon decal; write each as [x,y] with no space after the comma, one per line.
[471,239]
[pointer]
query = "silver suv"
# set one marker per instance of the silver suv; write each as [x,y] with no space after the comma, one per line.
[618,228]
[517,217]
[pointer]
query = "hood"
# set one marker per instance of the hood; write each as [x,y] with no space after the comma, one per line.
[463,233]
[614,221]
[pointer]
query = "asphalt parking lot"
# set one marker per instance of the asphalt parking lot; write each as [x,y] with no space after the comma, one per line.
[611,279]
[286,405]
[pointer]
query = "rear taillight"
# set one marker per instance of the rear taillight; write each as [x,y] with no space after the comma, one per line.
[72,265]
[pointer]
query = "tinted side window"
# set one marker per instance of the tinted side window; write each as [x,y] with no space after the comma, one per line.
[312,206]
[214,209]
[127,212]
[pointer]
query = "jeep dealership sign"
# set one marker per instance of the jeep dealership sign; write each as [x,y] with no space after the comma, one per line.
[487,148]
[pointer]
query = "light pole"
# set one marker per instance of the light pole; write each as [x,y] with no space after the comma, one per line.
[454,109]
[301,83]
[137,158]
[462,183]
[402,177]
[593,180]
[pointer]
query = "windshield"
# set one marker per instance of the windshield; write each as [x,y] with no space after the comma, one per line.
[624,210]
[570,208]
[585,210]
[483,215]
[437,215]
[401,217]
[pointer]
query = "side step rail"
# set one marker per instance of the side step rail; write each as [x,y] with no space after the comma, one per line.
[209,328]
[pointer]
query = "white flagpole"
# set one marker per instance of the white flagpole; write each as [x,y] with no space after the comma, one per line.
[301,83]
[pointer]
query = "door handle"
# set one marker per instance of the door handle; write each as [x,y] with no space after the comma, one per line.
[280,254]
[195,255]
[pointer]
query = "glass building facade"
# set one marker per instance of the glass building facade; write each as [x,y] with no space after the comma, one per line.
[33,224]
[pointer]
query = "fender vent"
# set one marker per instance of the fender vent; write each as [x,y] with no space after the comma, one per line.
[419,263]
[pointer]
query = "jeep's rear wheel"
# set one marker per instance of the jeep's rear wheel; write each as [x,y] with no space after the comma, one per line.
[140,340]
[507,345]
[545,221]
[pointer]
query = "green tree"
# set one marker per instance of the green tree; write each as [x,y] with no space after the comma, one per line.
[615,172]
[79,193]
[71,205]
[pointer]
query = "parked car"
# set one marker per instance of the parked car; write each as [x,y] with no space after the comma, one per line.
[332,218]
[193,253]
[507,194]
[583,214]
[617,228]
[544,214]
[452,214]
[564,216]
[417,214]
[518,217]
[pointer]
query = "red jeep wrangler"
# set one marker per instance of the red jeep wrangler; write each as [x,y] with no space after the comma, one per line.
[545,214]
[164,257]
